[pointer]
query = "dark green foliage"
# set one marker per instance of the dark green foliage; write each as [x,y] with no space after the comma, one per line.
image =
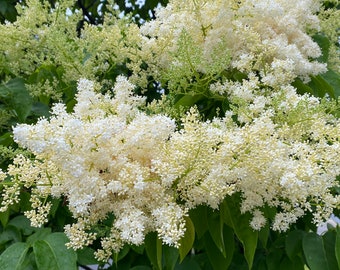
[7,10]
[92,10]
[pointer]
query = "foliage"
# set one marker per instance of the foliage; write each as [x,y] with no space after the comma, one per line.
[92,10]
[205,135]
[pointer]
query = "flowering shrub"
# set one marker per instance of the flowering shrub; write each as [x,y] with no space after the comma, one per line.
[203,138]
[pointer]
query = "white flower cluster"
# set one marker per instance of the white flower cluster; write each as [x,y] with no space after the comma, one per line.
[108,157]
[267,37]
[99,159]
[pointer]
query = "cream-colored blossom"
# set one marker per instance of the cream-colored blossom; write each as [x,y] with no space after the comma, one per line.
[283,153]
[48,40]
[266,37]
[170,223]
[78,235]
[99,157]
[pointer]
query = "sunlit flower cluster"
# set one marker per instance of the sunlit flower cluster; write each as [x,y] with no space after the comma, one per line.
[267,37]
[44,40]
[108,157]
[99,159]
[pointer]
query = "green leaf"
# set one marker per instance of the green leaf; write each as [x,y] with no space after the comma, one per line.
[153,248]
[337,245]
[29,262]
[138,249]
[189,263]
[170,255]
[230,211]
[15,95]
[86,256]
[122,253]
[70,105]
[333,78]
[260,261]
[13,257]
[324,44]
[321,87]
[199,218]
[10,234]
[40,109]
[294,243]
[301,87]
[216,258]
[264,233]
[215,224]
[23,224]
[25,204]
[40,234]
[187,240]
[6,139]
[329,239]
[3,7]
[188,100]
[159,252]
[296,264]
[238,75]
[229,243]
[51,253]
[4,217]
[7,9]
[55,205]
[274,258]
[314,251]
[141,267]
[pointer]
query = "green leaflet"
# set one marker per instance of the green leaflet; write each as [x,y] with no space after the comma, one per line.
[314,251]
[324,44]
[294,243]
[23,224]
[141,267]
[216,258]
[274,258]
[16,97]
[329,239]
[4,217]
[153,248]
[297,264]
[86,256]
[321,87]
[121,254]
[6,139]
[189,263]
[9,235]
[187,100]
[327,83]
[301,87]
[231,215]
[199,217]
[170,256]
[215,224]
[41,250]
[337,246]
[51,253]
[333,79]
[40,234]
[7,10]
[188,239]
[13,257]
